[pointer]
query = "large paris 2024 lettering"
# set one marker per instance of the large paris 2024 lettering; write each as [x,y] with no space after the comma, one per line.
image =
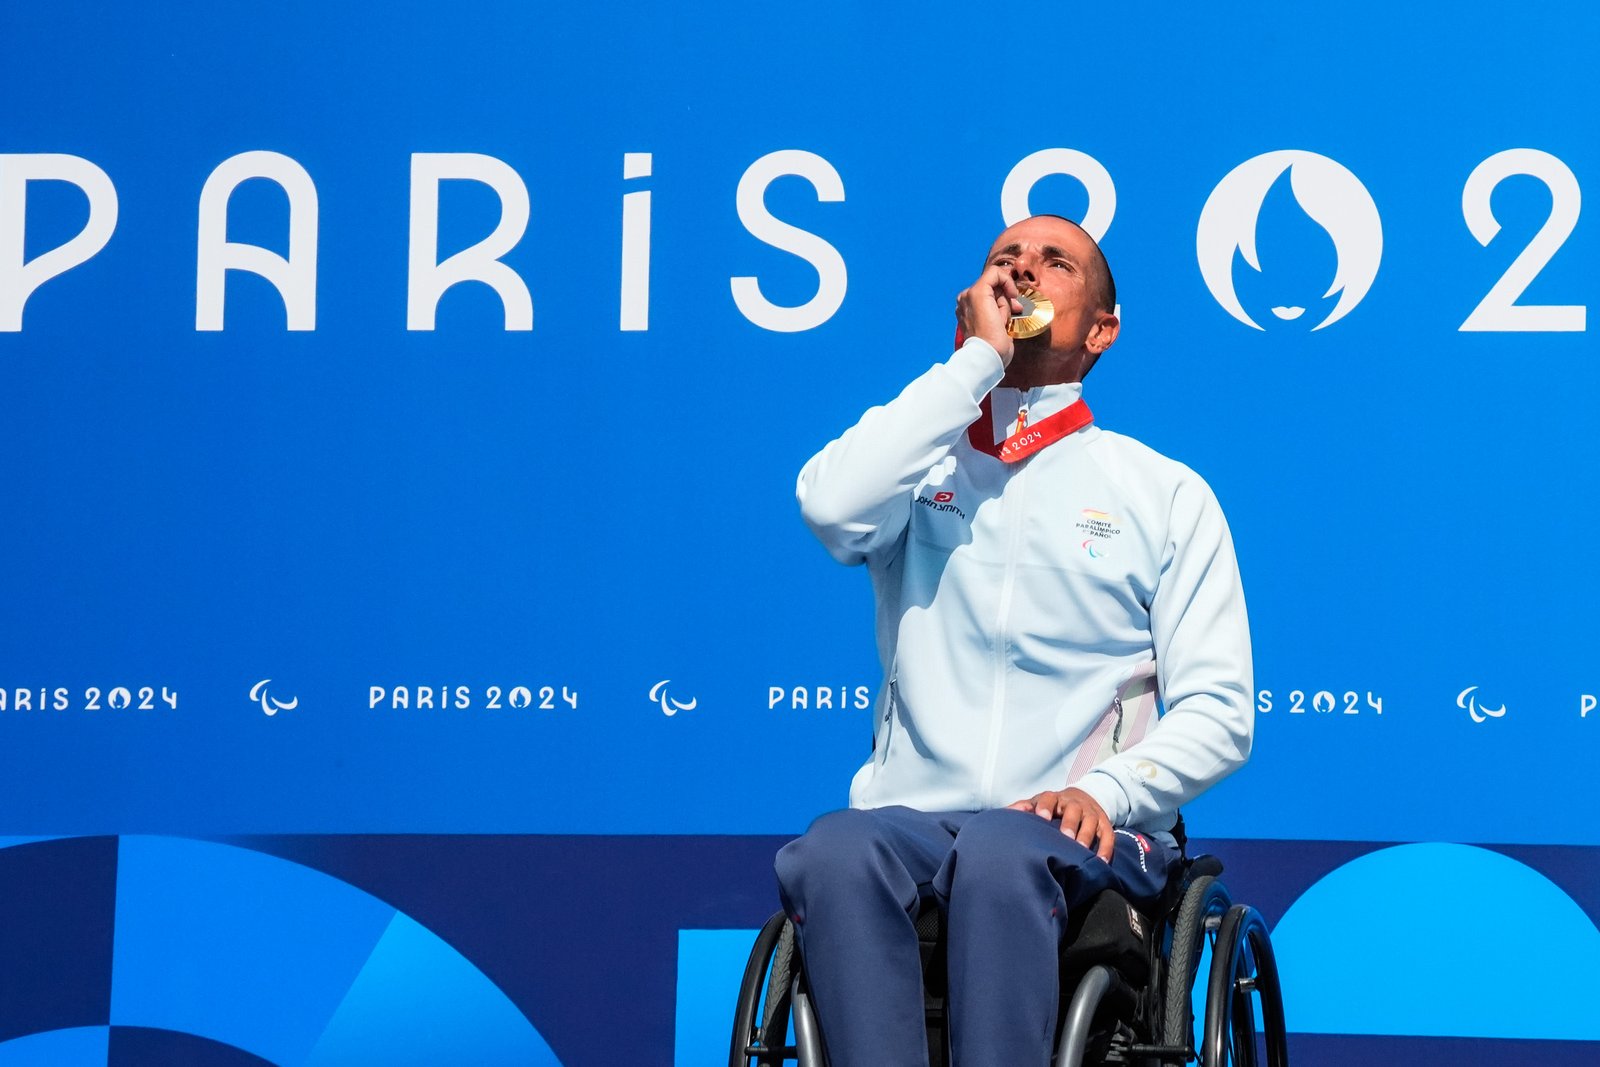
[294,275]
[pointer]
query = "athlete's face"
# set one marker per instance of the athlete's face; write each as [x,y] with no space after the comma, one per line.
[1056,258]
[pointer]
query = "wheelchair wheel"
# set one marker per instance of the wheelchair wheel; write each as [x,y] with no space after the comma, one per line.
[1243,968]
[761,1023]
[1205,903]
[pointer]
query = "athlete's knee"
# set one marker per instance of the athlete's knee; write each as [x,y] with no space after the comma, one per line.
[998,853]
[840,851]
[999,837]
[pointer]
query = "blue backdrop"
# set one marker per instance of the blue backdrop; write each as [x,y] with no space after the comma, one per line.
[401,405]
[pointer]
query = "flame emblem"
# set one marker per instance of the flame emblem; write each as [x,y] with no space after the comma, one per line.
[1329,194]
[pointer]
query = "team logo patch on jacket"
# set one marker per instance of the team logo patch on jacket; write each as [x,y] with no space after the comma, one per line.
[1101,527]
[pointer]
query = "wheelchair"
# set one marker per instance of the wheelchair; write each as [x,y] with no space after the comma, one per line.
[1128,982]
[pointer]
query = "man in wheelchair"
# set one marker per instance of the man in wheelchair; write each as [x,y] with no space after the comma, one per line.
[1066,662]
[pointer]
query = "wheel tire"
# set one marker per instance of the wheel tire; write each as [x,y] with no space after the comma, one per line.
[1242,967]
[748,1024]
[1200,915]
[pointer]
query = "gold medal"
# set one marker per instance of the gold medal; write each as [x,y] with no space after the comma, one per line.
[1037,311]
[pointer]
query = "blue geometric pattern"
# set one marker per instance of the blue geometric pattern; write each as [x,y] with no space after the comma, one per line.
[295,966]
[1439,939]
[418,1001]
[77,1046]
[205,953]
[236,946]
[710,964]
[214,955]
[57,904]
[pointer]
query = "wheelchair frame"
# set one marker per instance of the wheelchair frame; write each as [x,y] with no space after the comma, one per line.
[1108,1015]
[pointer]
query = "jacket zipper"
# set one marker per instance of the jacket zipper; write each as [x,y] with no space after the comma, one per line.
[1002,644]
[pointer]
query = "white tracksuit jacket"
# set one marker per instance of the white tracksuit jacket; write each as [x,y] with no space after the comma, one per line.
[1029,614]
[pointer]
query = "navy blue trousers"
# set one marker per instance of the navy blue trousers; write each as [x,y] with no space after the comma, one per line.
[1005,879]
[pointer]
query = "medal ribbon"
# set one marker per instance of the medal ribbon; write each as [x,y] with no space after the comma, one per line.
[1028,439]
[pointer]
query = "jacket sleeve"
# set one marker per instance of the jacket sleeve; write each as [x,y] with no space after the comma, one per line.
[856,493]
[1203,670]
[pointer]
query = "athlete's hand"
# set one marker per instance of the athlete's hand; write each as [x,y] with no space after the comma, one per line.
[1082,817]
[984,309]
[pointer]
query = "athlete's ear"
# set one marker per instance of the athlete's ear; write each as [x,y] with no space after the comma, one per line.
[1103,334]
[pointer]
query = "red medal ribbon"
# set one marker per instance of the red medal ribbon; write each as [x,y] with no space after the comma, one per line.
[1028,439]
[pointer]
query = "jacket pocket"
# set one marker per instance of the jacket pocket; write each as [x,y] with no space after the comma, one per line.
[1125,721]
[885,734]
